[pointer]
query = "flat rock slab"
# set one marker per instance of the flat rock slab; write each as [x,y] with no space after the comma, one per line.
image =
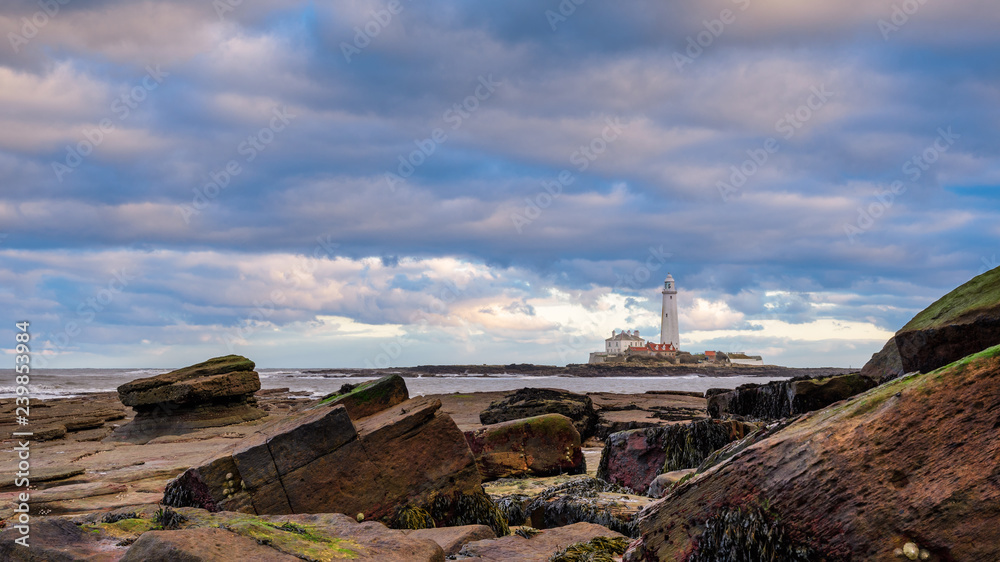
[538,548]
[216,366]
[452,539]
[200,545]
[227,536]
[53,539]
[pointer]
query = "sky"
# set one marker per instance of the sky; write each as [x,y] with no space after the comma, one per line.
[368,183]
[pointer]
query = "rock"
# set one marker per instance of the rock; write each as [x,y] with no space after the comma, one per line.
[52,539]
[539,548]
[963,322]
[452,539]
[72,415]
[371,397]
[215,393]
[586,500]
[537,446]
[215,378]
[530,402]
[200,535]
[662,483]
[911,461]
[634,458]
[200,545]
[411,456]
[780,399]
[50,432]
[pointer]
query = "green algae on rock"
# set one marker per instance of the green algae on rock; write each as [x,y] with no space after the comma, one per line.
[964,321]
[913,460]
[369,398]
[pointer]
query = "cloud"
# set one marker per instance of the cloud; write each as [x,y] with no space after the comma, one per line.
[776,260]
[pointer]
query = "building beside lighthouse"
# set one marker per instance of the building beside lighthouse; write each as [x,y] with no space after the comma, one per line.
[626,343]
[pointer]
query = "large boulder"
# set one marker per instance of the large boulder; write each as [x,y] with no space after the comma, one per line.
[215,393]
[780,399]
[538,446]
[530,402]
[369,398]
[958,324]
[408,459]
[634,458]
[911,462]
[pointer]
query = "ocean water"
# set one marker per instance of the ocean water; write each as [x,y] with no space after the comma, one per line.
[64,383]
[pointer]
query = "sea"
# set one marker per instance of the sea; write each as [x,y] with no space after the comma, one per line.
[65,383]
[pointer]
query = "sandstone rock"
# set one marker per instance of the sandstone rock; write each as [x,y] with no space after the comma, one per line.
[201,535]
[634,458]
[452,539]
[215,393]
[198,383]
[410,456]
[530,402]
[913,460]
[539,548]
[586,500]
[780,399]
[964,321]
[52,539]
[537,446]
[662,483]
[200,545]
[72,415]
[370,397]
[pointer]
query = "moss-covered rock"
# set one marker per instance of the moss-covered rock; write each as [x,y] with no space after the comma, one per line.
[910,461]
[964,321]
[369,398]
[537,446]
[530,402]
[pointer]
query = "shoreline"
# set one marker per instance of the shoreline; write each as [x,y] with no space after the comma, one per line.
[588,371]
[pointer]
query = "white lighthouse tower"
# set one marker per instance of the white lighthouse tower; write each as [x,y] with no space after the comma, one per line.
[669,333]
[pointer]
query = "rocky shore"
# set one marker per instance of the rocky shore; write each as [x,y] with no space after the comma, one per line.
[200,464]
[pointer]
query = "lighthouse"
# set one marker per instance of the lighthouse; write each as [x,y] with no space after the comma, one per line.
[669,333]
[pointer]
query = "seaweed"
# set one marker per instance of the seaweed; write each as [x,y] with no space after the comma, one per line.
[470,509]
[526,532]
[577,501]
[168,519]
[598,549]
[412,517]
[513,507]
[116,517]
[747,533]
